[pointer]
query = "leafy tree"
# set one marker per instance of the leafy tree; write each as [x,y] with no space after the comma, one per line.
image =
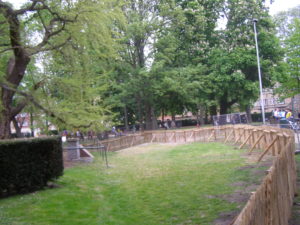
[233,60]
[55,24]
[52,25]
[288,30]
[184,39]
[291,82]
[283,20]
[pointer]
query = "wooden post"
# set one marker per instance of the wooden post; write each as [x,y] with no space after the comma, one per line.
[211,135]
[256,142]
[242,145]
[153,137]
[165,136]
[229,136]
[215,134]
[184,133]
[194,133]
[267,149]
[239,138]
[175,136]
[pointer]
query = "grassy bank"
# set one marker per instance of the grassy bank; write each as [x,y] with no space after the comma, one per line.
[151,184]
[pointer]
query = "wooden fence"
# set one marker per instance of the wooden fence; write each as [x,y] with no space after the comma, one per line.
[272,202]
[123,142]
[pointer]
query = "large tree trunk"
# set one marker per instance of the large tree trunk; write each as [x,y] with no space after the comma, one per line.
[126,118]
[148,116]
[248,112]
[154,119]
[17,127]
[201,114]
[31,124]
[224,107]
[4,125]
[213,112]
[140,116]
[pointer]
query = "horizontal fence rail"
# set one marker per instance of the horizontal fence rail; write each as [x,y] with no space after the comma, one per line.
[272,202]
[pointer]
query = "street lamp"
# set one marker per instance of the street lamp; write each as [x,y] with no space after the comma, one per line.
[259,74]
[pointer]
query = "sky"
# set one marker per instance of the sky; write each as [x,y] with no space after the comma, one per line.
[277,6]
[282,5]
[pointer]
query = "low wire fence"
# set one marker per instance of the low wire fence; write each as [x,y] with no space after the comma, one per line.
[272,202]
[233,118]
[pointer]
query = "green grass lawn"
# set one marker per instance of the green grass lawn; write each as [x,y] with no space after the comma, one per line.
[152,184]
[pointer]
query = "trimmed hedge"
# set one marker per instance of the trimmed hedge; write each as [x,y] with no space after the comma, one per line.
[27,165]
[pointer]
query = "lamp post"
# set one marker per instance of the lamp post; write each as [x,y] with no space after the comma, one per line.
[259,74]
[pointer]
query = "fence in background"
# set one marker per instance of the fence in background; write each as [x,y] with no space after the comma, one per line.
[233,118]
[272,202]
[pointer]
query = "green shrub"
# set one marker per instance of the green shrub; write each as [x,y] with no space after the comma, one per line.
[27,165]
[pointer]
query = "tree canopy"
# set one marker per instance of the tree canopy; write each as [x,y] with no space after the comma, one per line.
[98,63]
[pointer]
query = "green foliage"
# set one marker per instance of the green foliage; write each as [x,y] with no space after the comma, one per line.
[291,85]
[232,61]
[79,72]
[27,165]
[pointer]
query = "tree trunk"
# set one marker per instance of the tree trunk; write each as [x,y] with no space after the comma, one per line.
[140,116]
[213,112]
[153,118]
[126,118]
[17,127]
[31,124]
[201,114]
[148,117]
[5,126]
[223,107]
[248,112]
[173,116]
[162,115]
[15,72]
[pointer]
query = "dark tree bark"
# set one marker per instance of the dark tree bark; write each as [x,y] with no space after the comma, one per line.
[200,114]
[126,118]
[153,118]
[148,116]
[18,63]
[17,127]
[212,112]
[225,105]
[140,115]
[248,112]
[31,124]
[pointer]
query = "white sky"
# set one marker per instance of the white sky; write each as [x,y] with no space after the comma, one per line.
[277,6]
[282,5]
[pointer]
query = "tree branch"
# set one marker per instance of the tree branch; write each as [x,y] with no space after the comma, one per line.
[30,98]
[31,7]
[14,28]
[52,47]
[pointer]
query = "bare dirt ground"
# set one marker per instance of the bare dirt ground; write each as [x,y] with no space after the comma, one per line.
[244,190]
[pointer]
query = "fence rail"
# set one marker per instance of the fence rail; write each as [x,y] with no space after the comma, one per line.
[272,202]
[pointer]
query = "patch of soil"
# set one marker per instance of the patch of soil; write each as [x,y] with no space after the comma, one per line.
[244,188]
[226,218]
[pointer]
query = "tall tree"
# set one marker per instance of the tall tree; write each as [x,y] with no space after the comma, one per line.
[288,30]
[233,61]
[133,76]
[53,23]
[40,27]
[290,84]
